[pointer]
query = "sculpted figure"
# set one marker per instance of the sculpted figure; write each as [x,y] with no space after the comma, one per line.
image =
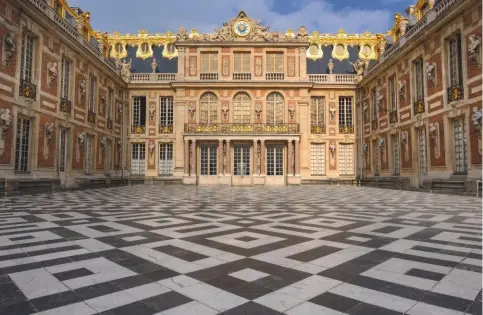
[302,34]
[182,34]
[126,70]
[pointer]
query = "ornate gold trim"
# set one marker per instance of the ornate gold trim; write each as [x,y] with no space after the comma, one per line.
[169,54]
[317,55]
[137,40]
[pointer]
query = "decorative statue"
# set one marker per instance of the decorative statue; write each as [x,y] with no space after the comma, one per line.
[151,148]
[382,142]
[81,137]
[154,65]
[5,117]
[433,131]
[51,73]
[431,72]
[380,100]
[82,87]
[302,34]
[474,42]
[258,110]
[49,131]
[402,90]
[476,118]
[126,70]
[191,110]
[330,66]
[152,109]
[182,34]
[103,142]
[10,46]
[359,67]
[291,110]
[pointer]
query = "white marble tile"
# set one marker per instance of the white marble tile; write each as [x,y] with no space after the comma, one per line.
[233,239]
[190,308]
[36,283]
[308,308]
[248,274]
[133,238]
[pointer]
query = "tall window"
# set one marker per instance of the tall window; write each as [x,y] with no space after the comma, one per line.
[376,151]
[460,149]
[107,163]
[274,160]
[317,110]
[396,154]
[110,105]
[392,93]
[274,62]
[241,62]
[166,110]
[241,160]
[208,161]
[209,62]
[22,145]
[208,108]
[139,111]
[345,111]
[346,159]
[375,111]
[454,59]
[275,104]
[317,158]
[165,159]
[62,150]
[138,162]
[92,93]
[65,78]
[27,58]
[242,108]
[418,80]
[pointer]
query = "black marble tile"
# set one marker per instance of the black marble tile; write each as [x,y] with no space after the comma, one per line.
[250,308]
[425,274]
[72,274]
[180,253]
[315,253]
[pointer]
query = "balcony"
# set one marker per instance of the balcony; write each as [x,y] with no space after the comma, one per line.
[242,76]
[165,129]
[152,77]
[393,117]
[275,76]
[208,76]
[245,129]
[374,124]
[317,129]
[91,117]
[138,129]
[455,93]
[65,106]
[346,130]
[110,125]
[28,90]
[333,78]
[419,107]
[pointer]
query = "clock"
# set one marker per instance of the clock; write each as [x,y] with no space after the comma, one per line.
[241,28]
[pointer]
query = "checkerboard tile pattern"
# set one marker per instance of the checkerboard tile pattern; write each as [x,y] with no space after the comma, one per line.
[225,250]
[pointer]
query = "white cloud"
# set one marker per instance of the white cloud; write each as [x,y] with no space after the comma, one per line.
[159,16]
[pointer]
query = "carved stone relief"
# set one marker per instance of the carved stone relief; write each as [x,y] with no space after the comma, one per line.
[224,110]
[192,66]
[258,66]
[152,111]
[126,70]
[474,43]
[51,73]
[226,66]
[431,73]
[332,153]
[48,135]
[10,47]
[434,135]
[402,90]
[5,123]
[258,111]
[291,66]
[191,110]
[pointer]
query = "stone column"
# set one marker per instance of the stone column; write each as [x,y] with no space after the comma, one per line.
[228,158]
[193,158]
[256,161]
[186,158]
[220,157]
[290,156]
[262,157]
[297,158]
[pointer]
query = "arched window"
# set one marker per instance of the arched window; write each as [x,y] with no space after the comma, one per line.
[241,108]
[208,108]
[274,108]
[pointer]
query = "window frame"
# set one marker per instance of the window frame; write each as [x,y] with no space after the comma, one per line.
[317,163]
[454,78]
[242,108]
[210,104]
[26,73]
[92,93]
[274,108]
[346,118]
[241,61]
[208,159]
[392,89]
[271,67]
[210,67]
[419,86]
[166,110]
[317,107]
[66,78]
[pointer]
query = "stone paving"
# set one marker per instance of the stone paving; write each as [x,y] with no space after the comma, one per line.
[224,250]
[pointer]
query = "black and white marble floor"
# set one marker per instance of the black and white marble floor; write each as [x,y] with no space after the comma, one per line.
[224,250]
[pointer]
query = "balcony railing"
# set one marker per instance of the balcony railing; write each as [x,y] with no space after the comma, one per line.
[455,93]
[242,76]
[346,130]
[165,128]
[374,125]
[91,117]
[317,129]
[138,129]
[110,125]
[208,76]
[333,78]
[65,106]
[393,117]
[28,90]
[248,129]
[274,76]
[419,107]
[152,77]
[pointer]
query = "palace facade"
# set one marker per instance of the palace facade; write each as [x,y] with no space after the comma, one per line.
[242,105]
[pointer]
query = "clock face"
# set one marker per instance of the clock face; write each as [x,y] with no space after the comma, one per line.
[241,28]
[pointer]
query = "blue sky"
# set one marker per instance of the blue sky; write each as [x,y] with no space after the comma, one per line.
[159,16]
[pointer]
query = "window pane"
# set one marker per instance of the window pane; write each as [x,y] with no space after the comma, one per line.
[317,158]
[208,108]
[241,108]
[317,108]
